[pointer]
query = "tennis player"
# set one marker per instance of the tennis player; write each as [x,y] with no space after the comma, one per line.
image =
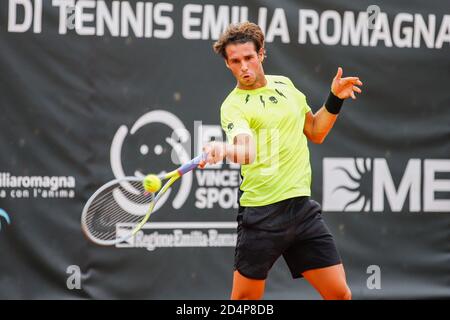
[267,122]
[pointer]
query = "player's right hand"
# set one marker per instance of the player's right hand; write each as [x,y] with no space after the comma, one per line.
[215,152]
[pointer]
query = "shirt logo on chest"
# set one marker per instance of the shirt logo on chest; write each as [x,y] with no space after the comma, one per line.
[280,93]
[262,101]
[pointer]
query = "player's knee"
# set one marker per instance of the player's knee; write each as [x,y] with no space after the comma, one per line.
[343,293]
[246,289]
[347,294]
[247,294]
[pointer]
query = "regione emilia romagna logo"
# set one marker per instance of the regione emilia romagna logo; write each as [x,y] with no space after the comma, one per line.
[367,185]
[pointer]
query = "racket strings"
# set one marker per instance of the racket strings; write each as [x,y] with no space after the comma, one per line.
[107,192]
[103,225]
[104,213]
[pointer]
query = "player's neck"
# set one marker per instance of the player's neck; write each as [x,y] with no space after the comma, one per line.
[262,82]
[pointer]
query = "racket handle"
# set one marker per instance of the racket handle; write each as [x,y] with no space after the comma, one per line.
[191,165]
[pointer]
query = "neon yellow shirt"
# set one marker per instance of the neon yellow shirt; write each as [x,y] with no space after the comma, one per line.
[274,115]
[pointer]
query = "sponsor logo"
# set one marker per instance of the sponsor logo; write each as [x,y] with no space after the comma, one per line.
[180,234]
[172,146]
[45,187]
[367,185]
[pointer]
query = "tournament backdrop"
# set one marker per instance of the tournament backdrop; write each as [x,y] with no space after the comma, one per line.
[93,90]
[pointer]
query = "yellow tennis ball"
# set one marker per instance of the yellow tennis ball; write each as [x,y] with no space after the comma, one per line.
[151,183]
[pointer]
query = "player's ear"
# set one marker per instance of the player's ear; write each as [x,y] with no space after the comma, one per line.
[226,63]
[262,54]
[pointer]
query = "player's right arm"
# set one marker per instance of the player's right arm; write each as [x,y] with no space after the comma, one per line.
[240,147]
[242,150]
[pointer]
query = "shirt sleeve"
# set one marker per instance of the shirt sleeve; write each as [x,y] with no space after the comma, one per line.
[303,103]
[304,106]
[233,122]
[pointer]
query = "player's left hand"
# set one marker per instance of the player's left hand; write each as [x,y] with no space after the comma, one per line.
[344,88]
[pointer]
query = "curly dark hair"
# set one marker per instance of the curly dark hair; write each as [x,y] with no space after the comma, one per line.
[239,33]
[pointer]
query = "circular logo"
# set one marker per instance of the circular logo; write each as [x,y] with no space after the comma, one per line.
[171,144]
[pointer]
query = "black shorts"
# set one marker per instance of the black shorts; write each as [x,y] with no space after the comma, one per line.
[293,228]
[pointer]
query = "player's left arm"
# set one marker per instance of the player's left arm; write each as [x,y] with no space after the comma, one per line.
[318,125]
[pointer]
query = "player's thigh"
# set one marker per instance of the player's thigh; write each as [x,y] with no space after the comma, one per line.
[330,282]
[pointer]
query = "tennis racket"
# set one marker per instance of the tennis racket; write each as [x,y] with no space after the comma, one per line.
[103,213]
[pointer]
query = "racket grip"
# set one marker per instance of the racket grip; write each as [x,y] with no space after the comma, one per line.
[191,165]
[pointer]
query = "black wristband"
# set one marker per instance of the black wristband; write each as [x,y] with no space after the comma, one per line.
[333,103]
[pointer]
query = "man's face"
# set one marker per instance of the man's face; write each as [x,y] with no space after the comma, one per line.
[245,64]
